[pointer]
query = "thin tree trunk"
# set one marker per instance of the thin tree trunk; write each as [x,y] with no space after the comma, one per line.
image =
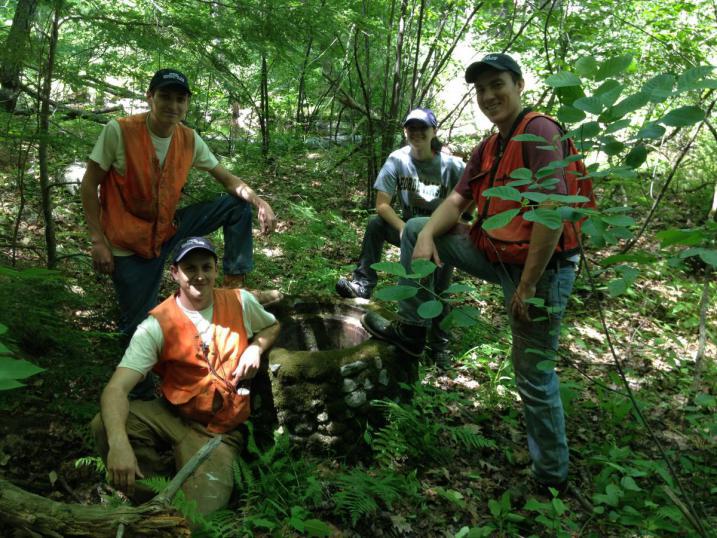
[264,104]
[12,53]
[702,339]
[50,239]
[300,98]
[389,129]
[414,80]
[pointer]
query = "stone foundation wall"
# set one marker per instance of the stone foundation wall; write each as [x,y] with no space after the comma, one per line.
[321,394]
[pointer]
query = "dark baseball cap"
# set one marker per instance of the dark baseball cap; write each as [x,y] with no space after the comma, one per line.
[424,115]
[169,77]
[498,61]
[190,244]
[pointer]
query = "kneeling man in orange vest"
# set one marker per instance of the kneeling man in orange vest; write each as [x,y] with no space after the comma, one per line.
[206,345]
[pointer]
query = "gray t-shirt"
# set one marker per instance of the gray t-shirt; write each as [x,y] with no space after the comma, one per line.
[420,185]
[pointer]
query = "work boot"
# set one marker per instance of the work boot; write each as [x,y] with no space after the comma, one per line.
[411,339]
[265,297]
[350,289]
[442,358]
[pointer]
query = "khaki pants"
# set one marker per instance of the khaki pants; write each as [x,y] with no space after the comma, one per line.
[158,435]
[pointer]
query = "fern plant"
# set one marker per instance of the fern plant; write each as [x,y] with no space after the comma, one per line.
[362,493]
[423,432]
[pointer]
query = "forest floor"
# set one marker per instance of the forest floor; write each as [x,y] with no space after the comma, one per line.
[619,484]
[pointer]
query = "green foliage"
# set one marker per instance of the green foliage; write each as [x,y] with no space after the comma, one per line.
[278,490]
[421,433]
[362,493]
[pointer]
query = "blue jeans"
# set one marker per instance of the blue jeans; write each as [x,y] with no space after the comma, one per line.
[136,279]
[538,388]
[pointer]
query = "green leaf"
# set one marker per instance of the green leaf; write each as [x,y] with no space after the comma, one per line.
[651,130]
[628,484]
[591,104]
[616,287]
[633,257]
[4,350]
[705,400]
[17,368]
[463,316]
[636,156]
[618,220]
[317,528]
[563,79]
[505,193]
[616,126]
[533,196]
[611,146]
[527,137]
[608,92]
[568,198]
[696,78]
[613,66]
[7,384]
[659,87]
[570,114]
[421,268]
[627,105]
[522,173]
[392,268]
[396,293]
[586,66]
[709,256]
[679,237]
[430,309]
[500,220]
[457,287]
[683,116]
[546,366]
[547,217]
[3,329]
[519,182]
[586,130]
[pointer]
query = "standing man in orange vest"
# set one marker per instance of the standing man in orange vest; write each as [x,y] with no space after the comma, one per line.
[140,164]
[206,345]
[528,260]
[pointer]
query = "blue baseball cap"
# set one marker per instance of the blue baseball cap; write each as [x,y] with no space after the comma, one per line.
[423,115]
[165,78]
[190,244]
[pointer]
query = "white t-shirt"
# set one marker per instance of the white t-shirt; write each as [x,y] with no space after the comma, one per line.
[109,149]
[146,344]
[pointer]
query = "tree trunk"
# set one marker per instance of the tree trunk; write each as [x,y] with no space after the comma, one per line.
[414,79]
[264,105]
[45,187]
[12,54]
[389,128]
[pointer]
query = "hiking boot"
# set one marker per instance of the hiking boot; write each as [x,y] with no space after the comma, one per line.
[411,339]
[442,358]
[350,289]
[265,297]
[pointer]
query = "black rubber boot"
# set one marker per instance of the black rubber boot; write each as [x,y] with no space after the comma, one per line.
[411,339]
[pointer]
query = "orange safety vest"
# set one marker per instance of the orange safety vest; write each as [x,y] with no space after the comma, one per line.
[197,379]
[138,208]
[510,243]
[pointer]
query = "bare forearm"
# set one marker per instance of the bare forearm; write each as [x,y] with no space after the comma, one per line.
[387,213]
[444,218]
[265,338]
[543,241]
[114,409]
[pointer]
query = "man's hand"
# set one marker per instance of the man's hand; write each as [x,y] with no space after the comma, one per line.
[425,249]
[122,467]
[248,364]
[102,259]
[267,219]
[518,306]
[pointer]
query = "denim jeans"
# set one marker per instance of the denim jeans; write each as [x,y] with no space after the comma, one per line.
[378,232]
[136,279]
[538,387]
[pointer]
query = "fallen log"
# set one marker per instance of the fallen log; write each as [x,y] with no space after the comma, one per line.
[33,515]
